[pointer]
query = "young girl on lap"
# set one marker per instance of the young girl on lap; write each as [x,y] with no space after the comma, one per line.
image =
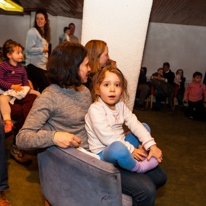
[104,125]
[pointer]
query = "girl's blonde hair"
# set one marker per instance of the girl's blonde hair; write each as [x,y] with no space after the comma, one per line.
[99,77]
[94,50]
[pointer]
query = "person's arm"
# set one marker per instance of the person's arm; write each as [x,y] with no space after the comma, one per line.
[3,84]
[96,120]
[137,128]
[31,136]
[31,46]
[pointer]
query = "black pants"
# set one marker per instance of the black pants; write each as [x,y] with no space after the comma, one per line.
[196,110]
[38,77]
[3,166]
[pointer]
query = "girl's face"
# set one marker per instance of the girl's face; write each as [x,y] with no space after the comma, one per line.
[84,70]
[16,56]
[110,90]
[104,57]
[40,20]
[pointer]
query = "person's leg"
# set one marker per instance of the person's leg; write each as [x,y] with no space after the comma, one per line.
[3,167]
[44,82]
[6,112]
[142,187]
[27,103]
[134,140]
[38,76]
[190,111]
[143,91]
[118,154]
[4,107]
[138,186]
[19,155]
[158,176]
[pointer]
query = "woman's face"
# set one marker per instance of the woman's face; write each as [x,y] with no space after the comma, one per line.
[104,57]
[84,70]
[40,20]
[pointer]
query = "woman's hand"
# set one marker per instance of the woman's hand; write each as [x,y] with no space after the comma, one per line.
[45,49]
[155,152]
[65,139]
[138,154]
[16,87]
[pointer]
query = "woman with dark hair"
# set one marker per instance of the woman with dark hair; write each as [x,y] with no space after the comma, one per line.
[63,105]
[141,187]
[37,43]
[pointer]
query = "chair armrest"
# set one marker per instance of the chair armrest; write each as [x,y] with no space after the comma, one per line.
[70,177]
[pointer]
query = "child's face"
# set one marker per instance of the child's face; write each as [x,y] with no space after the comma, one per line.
[160,72]
[110,90]
[16,56]
[67,31]
[197,79]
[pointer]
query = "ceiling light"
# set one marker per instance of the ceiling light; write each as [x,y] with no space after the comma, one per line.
[9,5]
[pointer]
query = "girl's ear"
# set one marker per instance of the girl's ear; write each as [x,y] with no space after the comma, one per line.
[97,91]
[8,55]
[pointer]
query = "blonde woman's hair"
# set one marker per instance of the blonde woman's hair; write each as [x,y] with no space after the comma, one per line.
[99,77]
[94,50]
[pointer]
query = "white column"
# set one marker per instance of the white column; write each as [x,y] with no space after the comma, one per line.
[122,24]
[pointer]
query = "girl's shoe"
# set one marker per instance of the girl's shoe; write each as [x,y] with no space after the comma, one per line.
[8,127]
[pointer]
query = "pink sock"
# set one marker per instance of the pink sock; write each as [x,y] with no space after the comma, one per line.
[144,166]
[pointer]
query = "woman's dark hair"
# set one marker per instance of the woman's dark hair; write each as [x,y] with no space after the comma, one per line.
[46,32]
[63,64]
[9,46]
[197,74]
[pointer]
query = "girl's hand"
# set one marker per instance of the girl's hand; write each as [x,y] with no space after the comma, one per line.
[155,152]
[16,87]
[45,49]
[138,154]
[65,139]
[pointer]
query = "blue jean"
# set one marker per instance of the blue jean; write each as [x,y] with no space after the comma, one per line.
[142,187]
[3,166]
[118,154]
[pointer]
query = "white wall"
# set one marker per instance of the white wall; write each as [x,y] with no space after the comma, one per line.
[180,45]
[16,27]
[123,26]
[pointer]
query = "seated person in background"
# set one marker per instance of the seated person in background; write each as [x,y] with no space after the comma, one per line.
[104,125]
[161,87]
[168,74]
[180,80]
[65,35]
[14,83]
[3,167]
[142,89]
[194,94]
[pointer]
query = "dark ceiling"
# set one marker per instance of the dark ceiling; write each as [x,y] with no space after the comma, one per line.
[187,12]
